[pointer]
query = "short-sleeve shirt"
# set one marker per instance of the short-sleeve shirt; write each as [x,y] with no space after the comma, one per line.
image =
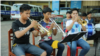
[76,27]
[18,26]
[46,26]
[91,21]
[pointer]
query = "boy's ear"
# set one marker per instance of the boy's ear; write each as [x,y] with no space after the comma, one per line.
[43,13]
[21,13]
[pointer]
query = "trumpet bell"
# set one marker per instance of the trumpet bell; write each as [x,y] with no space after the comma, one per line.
[84,23]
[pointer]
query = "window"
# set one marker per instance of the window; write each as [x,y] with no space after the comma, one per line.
[2,8]
[16,7]
[35,9]
[40,10]
[8,8]
[95,11]
[32,10]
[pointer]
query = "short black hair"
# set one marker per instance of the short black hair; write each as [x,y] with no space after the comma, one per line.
[88,13]
[68,12]
[24,7]
[84,14]
[74,9]
[46,9]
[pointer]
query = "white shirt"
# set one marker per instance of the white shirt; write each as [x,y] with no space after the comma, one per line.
[76,27]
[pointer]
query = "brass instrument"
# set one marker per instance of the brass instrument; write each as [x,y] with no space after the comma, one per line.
[41,28]
[82,22]
[58,28]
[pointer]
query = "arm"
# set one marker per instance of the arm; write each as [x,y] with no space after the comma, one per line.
[35,33]
[70,26]
[18,33]
[83,28]
[45,33]
[54,31]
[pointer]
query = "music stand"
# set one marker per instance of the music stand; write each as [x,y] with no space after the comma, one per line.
[73,37]
[94,37]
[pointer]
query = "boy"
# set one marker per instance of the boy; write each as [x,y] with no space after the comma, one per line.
[84,15]
[21,30]
[46,41]
[91,20]
[64,20]
[74,26]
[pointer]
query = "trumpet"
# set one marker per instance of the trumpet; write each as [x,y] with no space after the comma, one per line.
[82,22]
[41,28]
[58,28]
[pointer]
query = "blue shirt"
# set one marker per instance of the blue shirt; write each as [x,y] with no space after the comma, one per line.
[91,20]
[64,23]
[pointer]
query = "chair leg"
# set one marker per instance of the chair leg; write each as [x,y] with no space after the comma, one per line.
[54,52]
[76,52]
[68,51]
[9,54]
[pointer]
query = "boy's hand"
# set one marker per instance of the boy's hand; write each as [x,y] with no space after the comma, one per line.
[79,20]
[76,19]
[34,24]
[52,25]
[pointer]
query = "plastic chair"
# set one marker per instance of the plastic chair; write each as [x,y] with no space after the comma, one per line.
[68,50]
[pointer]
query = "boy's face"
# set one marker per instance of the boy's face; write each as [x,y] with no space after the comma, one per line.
[47,15]
[25,14]
[83,17]
[89,15]
[74,14]
[68,15]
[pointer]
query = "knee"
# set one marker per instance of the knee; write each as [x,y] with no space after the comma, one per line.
[22,55]
[44,53]
[73,48]
[50,49]
[61,46]
[87,47]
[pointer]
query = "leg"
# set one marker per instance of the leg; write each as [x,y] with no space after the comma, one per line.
[35,50]
[44,53]
[18,50]
[60,49]
[74,45]
[84,45]
[46,47]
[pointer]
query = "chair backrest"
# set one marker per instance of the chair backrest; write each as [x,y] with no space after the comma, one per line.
[62,25]
[10,37]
